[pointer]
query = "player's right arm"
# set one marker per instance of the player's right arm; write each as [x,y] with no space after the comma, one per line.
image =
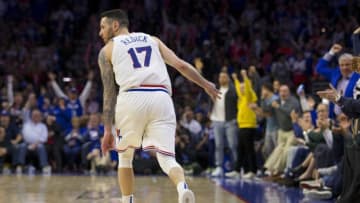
[187,70]
[109,95]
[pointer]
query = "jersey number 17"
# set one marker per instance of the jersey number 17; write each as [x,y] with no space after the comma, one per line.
[134,52]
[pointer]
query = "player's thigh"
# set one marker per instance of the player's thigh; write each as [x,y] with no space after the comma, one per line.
[160,131]
[130,118]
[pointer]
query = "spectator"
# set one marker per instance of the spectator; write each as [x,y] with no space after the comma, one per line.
[54,143]
[223,117]
[35,136]
[62,114]
[246,119]
[330,183]
[321,134]
[189,123]
[276,162]
[74,102]
[73,141]
[267,98]
[298,153]
[13,136]
[92,136]
[343,78]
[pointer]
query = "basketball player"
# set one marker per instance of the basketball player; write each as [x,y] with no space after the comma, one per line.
[144,111]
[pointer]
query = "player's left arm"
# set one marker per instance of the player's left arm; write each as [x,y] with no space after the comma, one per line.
[187,70]
[109,86]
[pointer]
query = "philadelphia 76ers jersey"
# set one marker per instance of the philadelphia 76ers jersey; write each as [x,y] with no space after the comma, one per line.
[137,61]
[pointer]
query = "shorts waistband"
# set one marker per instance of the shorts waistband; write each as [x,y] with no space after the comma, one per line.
[149,88]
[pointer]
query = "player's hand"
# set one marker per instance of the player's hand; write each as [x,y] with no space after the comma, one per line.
[336,48]
[211,90]
[107,143]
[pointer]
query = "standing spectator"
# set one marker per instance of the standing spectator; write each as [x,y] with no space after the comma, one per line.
[276,162]
[35,135]
[73,101]
[343,78]
[267,98]
[246,119]
[223,117]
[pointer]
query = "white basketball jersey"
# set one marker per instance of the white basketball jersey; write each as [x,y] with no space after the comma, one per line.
[137,60]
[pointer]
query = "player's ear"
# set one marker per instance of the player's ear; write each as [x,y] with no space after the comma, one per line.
[115,25]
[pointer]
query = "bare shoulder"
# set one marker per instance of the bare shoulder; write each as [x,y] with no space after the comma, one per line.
[155,38]
[106,52]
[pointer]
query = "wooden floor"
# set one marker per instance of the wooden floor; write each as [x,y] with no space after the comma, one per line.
[96,189]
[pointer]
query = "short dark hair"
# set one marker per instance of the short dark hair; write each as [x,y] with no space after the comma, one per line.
[118,15]
[268,86]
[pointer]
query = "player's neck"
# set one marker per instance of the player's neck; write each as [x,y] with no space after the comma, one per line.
[122,31]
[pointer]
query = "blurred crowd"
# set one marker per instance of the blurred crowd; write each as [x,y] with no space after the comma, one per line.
[267,57]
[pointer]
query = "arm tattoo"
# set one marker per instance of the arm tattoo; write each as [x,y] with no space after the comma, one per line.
[109,96]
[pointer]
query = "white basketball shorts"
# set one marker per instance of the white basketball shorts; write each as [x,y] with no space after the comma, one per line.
[146,117]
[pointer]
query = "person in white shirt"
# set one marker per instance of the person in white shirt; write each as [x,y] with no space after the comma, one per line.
[35,134]
[223,117]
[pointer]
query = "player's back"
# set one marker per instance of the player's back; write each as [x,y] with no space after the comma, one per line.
[137,61]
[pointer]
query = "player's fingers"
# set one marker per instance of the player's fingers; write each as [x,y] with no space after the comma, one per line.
[216,94]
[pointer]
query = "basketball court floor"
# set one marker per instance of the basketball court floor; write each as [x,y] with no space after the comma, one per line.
[149,189]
